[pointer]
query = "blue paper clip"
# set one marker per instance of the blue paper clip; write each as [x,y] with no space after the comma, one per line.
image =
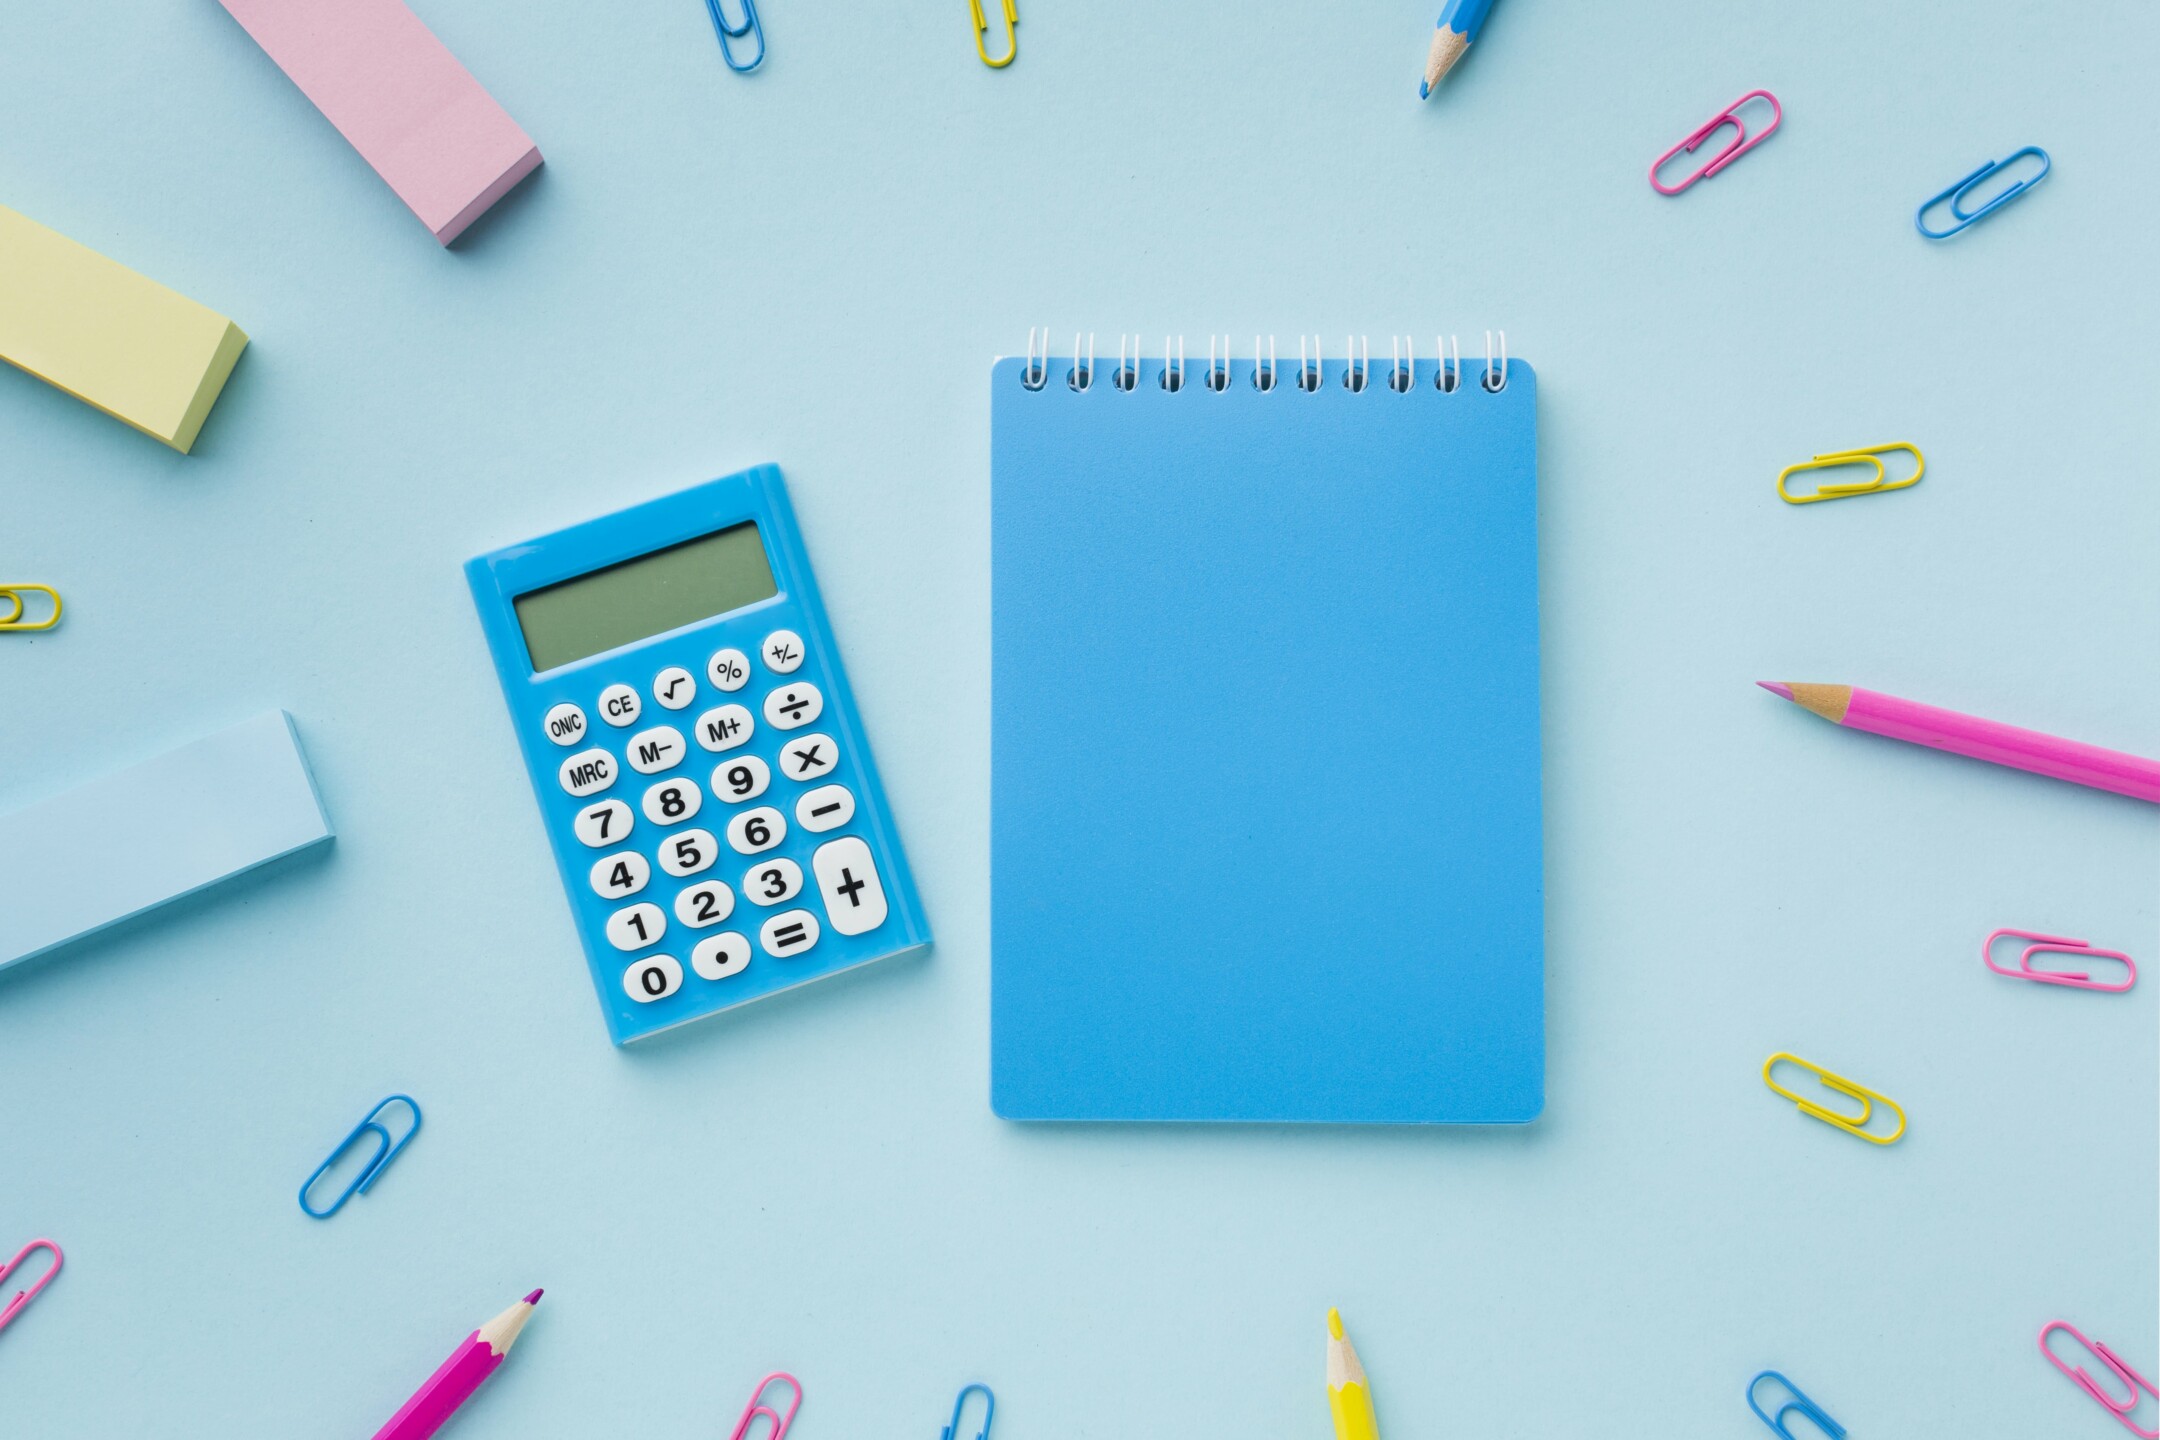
[743,31]
[952,1431]
[1799,1402]
[386,1151]
[1956,193]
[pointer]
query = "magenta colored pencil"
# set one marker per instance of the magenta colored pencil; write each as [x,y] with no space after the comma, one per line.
[454,1382]
[1998,744]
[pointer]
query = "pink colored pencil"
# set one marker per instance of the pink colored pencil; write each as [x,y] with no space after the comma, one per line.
[454,1382]
[1998,744]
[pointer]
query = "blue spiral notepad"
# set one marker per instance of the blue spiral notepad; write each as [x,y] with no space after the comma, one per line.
[1266,841]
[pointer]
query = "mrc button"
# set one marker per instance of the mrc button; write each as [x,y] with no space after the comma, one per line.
[588,772]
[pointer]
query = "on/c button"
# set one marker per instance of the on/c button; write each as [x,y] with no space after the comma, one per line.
[848,884]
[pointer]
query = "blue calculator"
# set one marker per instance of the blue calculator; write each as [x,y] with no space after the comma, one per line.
[699,763]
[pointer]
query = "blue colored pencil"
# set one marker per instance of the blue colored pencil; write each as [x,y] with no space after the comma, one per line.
[1458,28]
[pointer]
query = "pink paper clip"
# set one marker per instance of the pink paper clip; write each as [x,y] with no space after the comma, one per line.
[1742,142]
[2130,1378]
[757,1407]
[2056,945]
[16,1306]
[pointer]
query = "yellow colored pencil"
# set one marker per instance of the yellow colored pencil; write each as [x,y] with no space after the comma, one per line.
[1349,1396]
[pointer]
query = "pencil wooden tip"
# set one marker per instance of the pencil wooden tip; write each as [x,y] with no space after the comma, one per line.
[1777,687]
[1334,1323]
[1448,46]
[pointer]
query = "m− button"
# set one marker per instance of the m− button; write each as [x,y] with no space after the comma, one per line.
[650,751]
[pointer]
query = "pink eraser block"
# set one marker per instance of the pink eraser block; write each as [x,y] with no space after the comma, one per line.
[402,99]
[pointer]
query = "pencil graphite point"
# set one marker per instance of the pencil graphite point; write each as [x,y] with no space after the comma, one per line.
[534,1298]
[1777,687]
[1334,1323]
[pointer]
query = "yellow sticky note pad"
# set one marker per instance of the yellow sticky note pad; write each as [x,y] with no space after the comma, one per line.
[108,336]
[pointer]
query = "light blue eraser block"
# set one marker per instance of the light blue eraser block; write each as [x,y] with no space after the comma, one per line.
[140,837]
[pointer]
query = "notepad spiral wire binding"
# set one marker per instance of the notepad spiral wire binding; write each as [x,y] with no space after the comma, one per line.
[1309,376]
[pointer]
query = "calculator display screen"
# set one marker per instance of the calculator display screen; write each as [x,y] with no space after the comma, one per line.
[625,603]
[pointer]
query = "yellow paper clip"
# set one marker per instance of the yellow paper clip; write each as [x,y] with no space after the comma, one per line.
[1850,1124]
[982,29]
[1869,456]
[13,620]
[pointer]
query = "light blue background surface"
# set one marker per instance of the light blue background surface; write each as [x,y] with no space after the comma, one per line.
[814,266]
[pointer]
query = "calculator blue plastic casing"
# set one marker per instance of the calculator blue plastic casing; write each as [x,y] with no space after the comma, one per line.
[757,495]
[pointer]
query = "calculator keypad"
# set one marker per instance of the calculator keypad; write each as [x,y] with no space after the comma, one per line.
[843,872]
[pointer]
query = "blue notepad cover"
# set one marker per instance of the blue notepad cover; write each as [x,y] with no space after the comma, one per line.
[1266,837]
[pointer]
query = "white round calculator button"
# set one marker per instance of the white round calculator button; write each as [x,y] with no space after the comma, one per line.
[826,808]
[654,750]
[706,903]
[756,830]
[653,978]
[793,706]
[619,875]
[740,779]
[604,822]
[789,933]
[772,882]
[782,652]
[636,926]
[724,727]
[847,881]
[723,955]
[674,688]
[672,801]
[689,852]
[565,724]
[588,772]
[728,669]
[809,757]
[619,705]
